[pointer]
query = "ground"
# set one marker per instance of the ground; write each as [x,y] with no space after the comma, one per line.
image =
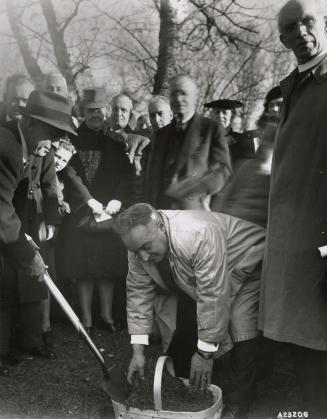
[69,387]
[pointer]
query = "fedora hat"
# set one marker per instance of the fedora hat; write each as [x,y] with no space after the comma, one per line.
[94,98]
[50,108]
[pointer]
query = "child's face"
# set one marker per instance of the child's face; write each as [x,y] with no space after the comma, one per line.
[61,158]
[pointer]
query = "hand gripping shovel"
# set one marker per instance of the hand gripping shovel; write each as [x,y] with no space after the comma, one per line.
[114,383]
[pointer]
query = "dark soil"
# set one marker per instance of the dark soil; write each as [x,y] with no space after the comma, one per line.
[175,395]
[69,387]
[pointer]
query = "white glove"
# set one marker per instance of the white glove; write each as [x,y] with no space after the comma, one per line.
[50,231]
[96,206]
[113,207]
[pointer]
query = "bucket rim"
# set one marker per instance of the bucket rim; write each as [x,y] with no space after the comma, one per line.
[215,390]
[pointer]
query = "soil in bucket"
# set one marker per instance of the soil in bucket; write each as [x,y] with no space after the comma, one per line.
[175,395]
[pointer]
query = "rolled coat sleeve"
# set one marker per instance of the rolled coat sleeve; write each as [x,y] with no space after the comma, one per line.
[212,285]
[140,298]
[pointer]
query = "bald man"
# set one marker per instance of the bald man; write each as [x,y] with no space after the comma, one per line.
[190,159]
[55,83]
[293,304]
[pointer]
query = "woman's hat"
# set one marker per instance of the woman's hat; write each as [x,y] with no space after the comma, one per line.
[224,104]
[50,108]
[94,98]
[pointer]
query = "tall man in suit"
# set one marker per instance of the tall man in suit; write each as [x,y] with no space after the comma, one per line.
[293,305]
[46,118]
[190,159]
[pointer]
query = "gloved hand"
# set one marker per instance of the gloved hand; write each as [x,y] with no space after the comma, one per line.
[37,267]
[96,206]
[137,363]
[51,229]
[201,371]
[113,207]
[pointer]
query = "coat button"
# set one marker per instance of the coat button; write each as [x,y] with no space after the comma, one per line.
[321,172]
[190,197]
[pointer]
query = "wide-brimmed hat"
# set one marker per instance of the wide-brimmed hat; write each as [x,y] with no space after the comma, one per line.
[50,108]
[94,98]
[224,104]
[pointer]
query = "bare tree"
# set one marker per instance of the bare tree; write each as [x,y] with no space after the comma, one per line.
[30,61]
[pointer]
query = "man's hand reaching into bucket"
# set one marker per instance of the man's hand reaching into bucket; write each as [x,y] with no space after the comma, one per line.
[201,371]
[137,363]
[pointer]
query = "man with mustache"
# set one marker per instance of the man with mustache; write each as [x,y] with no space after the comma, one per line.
[293,305]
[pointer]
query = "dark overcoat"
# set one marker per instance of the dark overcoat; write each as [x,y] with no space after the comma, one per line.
[293,307]
[201,157]
[91,255]
[28,202]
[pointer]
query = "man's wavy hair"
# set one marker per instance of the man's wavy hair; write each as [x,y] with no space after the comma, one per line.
[138,214]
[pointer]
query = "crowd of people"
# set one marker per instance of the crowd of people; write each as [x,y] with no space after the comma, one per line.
[192,233]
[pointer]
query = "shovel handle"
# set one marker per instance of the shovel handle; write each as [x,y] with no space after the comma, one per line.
[61,300]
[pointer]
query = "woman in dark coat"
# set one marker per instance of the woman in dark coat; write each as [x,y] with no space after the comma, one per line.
[99,258]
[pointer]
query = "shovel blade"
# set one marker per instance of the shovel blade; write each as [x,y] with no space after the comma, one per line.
[115,384]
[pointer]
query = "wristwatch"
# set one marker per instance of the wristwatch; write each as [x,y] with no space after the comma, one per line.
[205,355]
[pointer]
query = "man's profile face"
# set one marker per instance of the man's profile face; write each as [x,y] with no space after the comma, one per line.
[183,97]
[160,114]
[149,242]
[40,136]
[121,108]
[303,30]
[94,117]
[224,116]
[17,95]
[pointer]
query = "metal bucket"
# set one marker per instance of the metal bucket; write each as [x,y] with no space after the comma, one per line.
[213,412]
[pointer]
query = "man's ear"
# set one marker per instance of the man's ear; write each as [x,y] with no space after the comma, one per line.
[161,225]
[283,40]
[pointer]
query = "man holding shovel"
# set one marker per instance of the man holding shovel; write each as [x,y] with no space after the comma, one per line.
[215,259]
[46,117]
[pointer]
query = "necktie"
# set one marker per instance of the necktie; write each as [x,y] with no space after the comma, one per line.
[167,275]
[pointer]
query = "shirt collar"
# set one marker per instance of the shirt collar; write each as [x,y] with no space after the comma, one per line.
[24,145]
[185,119]
[312,63]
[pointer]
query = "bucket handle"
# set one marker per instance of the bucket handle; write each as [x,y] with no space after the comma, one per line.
[162,360]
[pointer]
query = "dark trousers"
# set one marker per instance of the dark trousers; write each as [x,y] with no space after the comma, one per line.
[185,339]
[20,323]
[311,371]
[242,361]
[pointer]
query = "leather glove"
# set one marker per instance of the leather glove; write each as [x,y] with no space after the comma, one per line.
[51,229]
[37,267]
[201,370]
